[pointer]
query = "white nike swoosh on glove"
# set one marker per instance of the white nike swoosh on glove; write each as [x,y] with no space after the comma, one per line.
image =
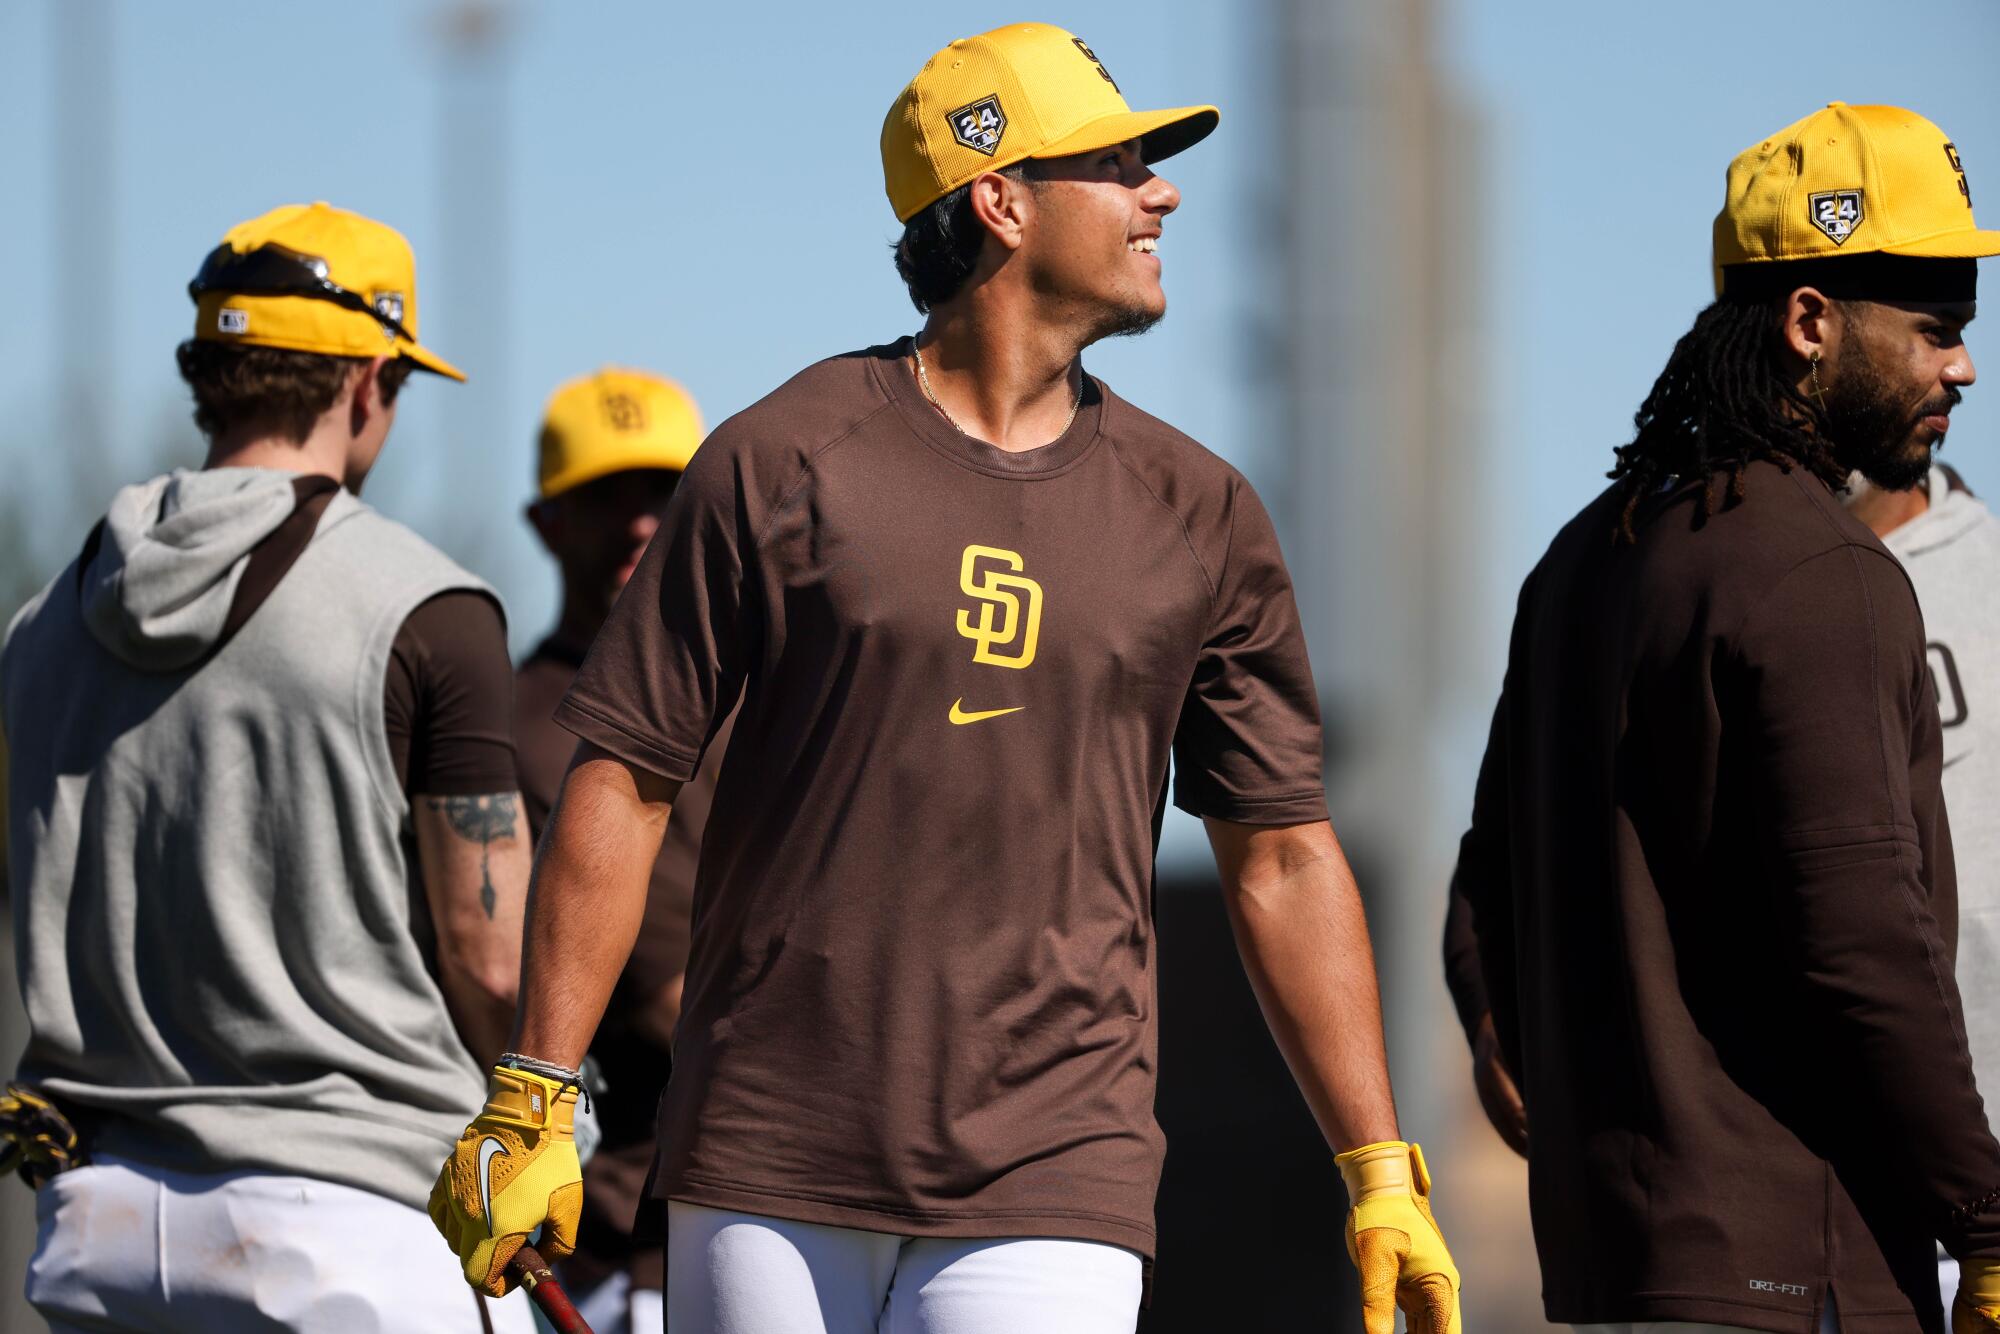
[489,1149]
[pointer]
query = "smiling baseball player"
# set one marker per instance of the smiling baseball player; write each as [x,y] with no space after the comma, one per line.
[975,602]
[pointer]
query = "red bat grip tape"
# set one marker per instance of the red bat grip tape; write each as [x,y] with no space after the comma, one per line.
[533,1273]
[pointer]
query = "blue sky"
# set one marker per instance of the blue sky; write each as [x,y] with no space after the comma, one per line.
[1610,128]
[696,189]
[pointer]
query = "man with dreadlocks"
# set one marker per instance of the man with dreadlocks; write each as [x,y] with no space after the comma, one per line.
[1705,914]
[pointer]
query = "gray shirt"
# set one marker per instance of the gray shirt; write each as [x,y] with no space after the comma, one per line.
[1952,552]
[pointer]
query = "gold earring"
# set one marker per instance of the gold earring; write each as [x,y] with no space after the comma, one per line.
[1813,366]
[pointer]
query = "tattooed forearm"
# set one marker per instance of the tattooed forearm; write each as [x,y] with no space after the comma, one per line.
[481,819]
[485,820]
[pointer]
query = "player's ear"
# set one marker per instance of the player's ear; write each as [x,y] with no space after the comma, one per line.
[1811,326]
[1003,206]
[364,402]
[545,517]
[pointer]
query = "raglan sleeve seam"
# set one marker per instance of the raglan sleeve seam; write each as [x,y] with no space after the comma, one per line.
[1209,581]
[797,485]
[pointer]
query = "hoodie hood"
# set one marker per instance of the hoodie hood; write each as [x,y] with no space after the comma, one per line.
[1954,511]
[159,576]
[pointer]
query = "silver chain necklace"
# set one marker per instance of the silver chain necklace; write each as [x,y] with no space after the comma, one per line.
[924,379]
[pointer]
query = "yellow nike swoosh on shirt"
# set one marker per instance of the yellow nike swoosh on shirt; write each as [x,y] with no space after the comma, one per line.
[960,716]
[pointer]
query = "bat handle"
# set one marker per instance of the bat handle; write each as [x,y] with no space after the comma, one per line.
[532,1272]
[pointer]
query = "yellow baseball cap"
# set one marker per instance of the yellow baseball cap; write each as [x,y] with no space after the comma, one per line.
[1849,180]
[1025,90]
[314,278]
[614,421]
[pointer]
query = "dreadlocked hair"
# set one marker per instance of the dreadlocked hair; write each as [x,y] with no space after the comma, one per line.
[1720,404]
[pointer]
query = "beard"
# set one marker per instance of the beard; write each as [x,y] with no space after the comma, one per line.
[1872,427]
[1125,322]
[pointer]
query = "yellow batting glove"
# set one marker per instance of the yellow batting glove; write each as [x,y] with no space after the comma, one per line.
[1394,1241]
[513,1170]
[36,1140]
[1976,1310]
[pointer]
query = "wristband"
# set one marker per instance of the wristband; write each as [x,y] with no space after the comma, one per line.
[560,1075]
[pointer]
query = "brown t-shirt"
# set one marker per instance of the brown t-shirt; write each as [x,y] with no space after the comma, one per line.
[447,698]
[1708,896]
[634,1066]
[920,995]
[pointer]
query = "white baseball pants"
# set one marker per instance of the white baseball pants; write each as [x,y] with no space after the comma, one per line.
[127,1247]
[731,1273]
[614,1306]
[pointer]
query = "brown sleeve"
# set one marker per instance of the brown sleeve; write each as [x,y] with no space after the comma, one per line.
[673,653]
[1248,744]
[448,698]
[1463,973]
[1829,691]
[542,750]
[1479,917]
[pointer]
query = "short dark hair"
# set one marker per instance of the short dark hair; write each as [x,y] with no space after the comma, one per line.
[285,391]
[940,246]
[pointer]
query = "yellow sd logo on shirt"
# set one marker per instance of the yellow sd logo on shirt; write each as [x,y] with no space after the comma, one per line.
[997,588]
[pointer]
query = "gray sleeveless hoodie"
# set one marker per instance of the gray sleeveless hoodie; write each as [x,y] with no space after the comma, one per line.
[216,927]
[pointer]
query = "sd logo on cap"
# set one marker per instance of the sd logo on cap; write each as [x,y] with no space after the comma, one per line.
[615,421]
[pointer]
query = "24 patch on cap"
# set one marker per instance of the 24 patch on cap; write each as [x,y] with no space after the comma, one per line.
[1835,212]
[1846,181]
[980,125]
[1025,90]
